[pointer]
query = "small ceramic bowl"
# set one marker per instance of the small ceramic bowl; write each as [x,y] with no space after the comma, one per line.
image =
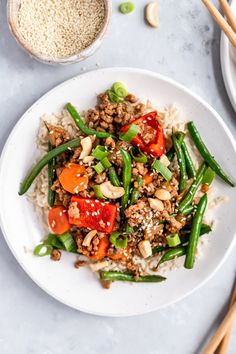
[12,14]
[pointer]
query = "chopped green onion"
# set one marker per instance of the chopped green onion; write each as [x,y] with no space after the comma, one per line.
[126,7]
[68,242]
[173,240]
[162,169]
[129,229]
[54,241]
[99,168]
[113,97]
[138,156]
[106,163]
[98,192]
[140,181]
[119,89]
[100,152]
[118,239]
[42,250]
[208,176]
[130,134]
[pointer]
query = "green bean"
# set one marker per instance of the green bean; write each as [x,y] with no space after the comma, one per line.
[207,155]
[184,237]
[25,185]
[127,172]
[181,162]
[171,153]
[113,177]
[195,232]
[193,189]
[173,253]
[205,229]
[120,276]
[135,194]
[51,178]
[189,163]
[81,125]
[187,211]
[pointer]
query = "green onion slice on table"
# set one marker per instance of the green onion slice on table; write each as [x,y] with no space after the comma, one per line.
[126,7]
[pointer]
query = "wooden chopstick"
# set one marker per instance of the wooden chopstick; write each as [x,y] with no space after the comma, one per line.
[229,32]
[228,13]
[221,331]
[223,347]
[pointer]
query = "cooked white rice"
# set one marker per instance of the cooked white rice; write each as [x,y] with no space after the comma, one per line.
[38,196]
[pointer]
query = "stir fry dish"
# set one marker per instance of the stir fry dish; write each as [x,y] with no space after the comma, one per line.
[125,191]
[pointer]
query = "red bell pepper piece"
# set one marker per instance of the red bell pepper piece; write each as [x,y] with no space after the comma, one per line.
[156,147]
[94,214]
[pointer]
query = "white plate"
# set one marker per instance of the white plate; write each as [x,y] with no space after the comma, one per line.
[228,64]
[80,288]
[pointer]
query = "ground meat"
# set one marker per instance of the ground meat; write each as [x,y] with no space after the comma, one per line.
[110,142]
[174,225]
[134,208]
[139,109]
[79,264]
[106,284]
[147,132]
[73,211]
[56,255]
[57,135]
[100,178]
[76,155]
[131,98]
[90,171]
[62,196]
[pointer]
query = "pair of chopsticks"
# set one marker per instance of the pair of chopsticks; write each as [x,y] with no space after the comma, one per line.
[229,26]
[221,338]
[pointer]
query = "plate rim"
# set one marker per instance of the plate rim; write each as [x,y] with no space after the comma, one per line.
[51,92]
[224,60]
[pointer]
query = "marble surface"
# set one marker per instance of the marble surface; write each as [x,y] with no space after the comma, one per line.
[186,48]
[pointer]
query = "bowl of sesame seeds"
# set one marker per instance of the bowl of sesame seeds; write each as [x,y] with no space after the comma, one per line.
[62,32]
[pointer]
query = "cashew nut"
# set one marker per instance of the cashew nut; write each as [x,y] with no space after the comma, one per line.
[87,159]
[97,266]
[163,194]
[151,14]
[164,160]
[110,191]
[86,144]
[88,238]
[156,204]
[145,248]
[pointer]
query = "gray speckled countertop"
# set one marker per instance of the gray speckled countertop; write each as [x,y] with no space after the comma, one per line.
[186,48]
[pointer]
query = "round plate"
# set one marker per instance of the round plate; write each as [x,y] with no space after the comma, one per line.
[80,288]
[228,64]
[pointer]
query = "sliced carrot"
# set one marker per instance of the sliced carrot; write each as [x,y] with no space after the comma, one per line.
[147,179]
[102,249]
[74,178]
[58,220]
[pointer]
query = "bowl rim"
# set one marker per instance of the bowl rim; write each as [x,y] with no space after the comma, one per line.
[185,90]
[82,55]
